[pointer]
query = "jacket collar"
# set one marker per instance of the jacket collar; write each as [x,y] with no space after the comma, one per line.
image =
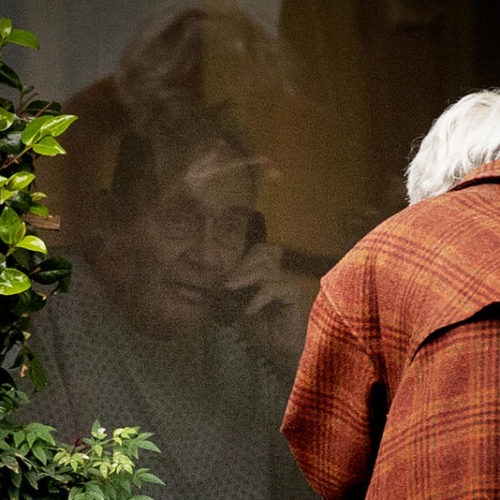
[490,172]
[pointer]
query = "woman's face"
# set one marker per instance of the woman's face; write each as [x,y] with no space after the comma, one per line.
[190,240]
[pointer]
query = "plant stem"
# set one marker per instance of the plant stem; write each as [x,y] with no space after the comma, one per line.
[14,159]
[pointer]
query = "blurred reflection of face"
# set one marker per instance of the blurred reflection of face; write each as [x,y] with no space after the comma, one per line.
[194,238]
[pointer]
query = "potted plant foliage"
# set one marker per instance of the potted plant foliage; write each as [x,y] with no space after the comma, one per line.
[33,464]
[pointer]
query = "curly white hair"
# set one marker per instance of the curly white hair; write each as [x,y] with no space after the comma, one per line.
[465,136]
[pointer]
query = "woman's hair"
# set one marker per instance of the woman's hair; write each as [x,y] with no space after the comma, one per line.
[464,137]
[185,49]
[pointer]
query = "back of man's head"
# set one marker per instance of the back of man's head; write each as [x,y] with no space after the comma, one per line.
[464,137]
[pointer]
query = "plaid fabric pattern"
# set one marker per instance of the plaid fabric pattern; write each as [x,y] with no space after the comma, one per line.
[396,391]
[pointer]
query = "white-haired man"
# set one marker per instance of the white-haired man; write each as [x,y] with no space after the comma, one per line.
[396,395]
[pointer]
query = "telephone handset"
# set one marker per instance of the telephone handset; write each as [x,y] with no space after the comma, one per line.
[230,304]
[256,230]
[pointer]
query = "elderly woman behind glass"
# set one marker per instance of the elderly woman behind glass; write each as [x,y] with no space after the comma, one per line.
[180,319]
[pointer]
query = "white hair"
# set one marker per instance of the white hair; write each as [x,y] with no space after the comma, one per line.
[464,137]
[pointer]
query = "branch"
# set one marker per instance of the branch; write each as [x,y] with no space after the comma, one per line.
[52,222]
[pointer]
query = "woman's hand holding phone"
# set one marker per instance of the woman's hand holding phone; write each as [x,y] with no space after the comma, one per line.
[273,310]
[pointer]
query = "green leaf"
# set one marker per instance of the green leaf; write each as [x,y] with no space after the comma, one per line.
[30,301]
[33,243]
[75,492]
[97,430]
[63,285]
[39,451]
[37,374]
[31,438]
[20,180]
[19,438]
[41,431]
[5,194]
[5,27]
[13,281]
[32,133]
[112,491]
[51,270]
[104,470]
[56,125]
[6,119]
[125,432]
[148,445]
[147,477]
[48,146]
[39,209]
[44,126]
[141,497]
[24,449]
[16,478]
[98,449]
[145,435]
[38,195]
[12,227]
[152,478]
[24,38]
[32,477]
[94,491]
[22,397]
[9,77]
[10,462]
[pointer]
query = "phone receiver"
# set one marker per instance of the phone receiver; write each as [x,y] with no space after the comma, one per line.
[256,230]
[230,304]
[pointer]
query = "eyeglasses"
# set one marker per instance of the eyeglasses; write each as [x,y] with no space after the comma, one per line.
[183,220]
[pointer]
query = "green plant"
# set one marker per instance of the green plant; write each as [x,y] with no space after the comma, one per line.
[32,463]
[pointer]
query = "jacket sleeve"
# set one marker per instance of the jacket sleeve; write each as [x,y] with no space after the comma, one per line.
[334,417]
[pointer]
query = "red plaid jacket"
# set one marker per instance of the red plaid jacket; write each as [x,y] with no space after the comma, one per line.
[396,395]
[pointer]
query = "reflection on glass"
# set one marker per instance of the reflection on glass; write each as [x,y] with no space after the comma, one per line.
[180,319]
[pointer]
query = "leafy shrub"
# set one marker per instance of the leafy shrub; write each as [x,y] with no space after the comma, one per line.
[32,463]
